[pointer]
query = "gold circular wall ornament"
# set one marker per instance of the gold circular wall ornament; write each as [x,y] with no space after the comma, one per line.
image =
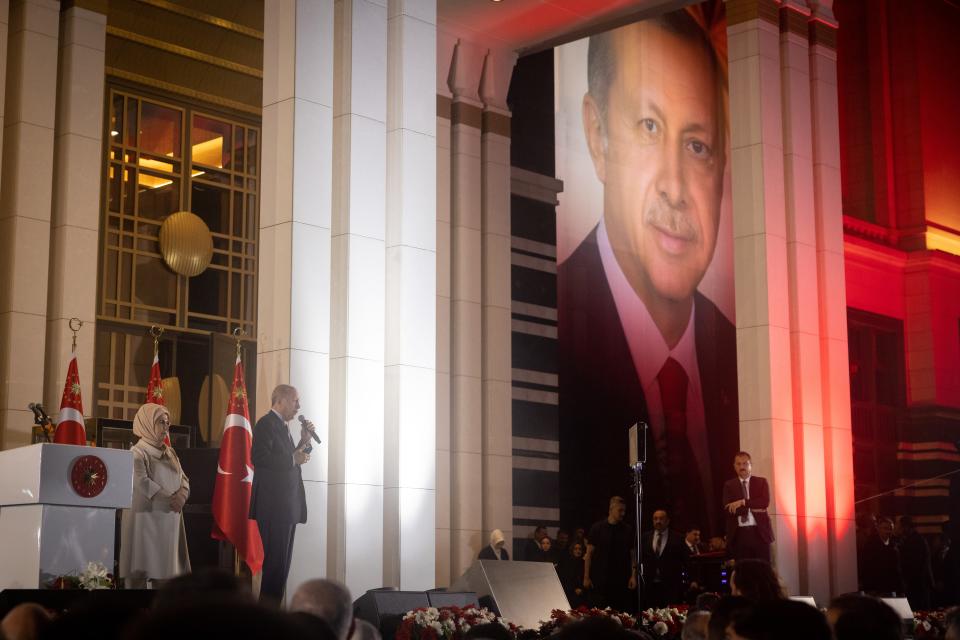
[186,243]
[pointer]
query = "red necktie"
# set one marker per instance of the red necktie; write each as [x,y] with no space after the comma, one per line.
[685,487]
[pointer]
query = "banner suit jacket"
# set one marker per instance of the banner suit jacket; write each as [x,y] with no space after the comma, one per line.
[601,397]
[277,494]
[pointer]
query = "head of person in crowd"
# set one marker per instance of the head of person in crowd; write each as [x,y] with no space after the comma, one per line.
[579,534]
[26,621]
[545,544]
[706,601]
[693,536]
[779,620]
[951,624]
[224,618]
[152,424]
[563,539]
[363,630]
[99,615]
[722,614]
[717,543]
[576,550]
[661,521]
[905,526]
[328,600]
[539,533]
[489,631]
[854,617]
[885,528]
[616,510]
[205,583]
[696,626]
[756,580]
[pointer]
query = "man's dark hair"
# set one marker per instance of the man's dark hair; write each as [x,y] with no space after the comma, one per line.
[598,629]
[601,59]
[952,621]
[489,631]
[722,614]
[706,601]
[858,616]
[781,620]
[757,581]
[204,582]
[742,454]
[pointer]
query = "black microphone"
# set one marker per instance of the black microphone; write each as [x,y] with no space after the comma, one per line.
[303,421]
[39,415]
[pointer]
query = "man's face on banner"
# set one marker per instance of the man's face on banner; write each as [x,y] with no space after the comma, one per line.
[660,157]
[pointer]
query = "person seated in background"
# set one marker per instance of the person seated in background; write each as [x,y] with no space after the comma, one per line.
[327,600]
[757,581]
[570,570]
[562,543]
[26,621]
[779,620]
[915,565]
[495,550]
[857,617]
[153,540]
[715,544]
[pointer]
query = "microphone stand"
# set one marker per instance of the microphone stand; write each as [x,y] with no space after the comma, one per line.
[638,497]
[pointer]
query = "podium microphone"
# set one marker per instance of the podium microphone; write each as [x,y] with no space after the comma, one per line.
[39,415]
[303,422]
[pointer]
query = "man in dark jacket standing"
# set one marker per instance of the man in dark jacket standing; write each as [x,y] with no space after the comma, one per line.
[664,558]
[746,498]
[277,501]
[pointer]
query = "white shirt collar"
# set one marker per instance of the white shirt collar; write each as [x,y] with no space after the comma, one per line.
[277,413]
[647,347]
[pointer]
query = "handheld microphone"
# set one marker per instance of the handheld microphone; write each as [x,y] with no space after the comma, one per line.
[303,422]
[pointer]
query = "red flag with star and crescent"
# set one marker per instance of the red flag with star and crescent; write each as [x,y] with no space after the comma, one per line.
[231,494]
[70,429]
[155,388]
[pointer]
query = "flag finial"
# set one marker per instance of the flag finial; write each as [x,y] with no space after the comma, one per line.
[75,329]
[238,333]
[156,332]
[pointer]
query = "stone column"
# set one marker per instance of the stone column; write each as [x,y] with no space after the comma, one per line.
[466,445]
[445,47]
[835,377]
[355,522]
[804,300]
[25,205]
[293,322]
[411,294]
[496,365]
[74,241]
[760,265]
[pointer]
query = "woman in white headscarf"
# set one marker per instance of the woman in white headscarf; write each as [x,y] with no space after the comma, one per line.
[153,541]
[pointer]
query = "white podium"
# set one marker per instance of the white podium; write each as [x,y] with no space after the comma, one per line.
[57,510]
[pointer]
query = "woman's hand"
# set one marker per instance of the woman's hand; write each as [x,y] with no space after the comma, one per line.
[177,501]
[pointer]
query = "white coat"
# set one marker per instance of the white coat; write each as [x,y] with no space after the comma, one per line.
[153,541]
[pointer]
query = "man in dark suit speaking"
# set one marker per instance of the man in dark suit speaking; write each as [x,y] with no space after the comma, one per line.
[746,498]
[277,501]
[637,341]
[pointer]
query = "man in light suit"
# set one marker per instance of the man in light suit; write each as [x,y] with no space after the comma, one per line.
[277,500]
[746,499]
[637,341]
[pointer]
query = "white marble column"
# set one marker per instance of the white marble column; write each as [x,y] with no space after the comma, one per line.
[466,447]
[409,493]
[760,265]
[445,47]
[355,518]
[75,217]
[804,300]
[293,322]
[497,444]
[25,204]
[835,376]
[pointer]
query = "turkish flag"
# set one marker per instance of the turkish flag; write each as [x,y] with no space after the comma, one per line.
[231,494]
[155,389]
[70,428]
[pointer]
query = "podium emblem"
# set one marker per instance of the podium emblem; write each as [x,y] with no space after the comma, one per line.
[88,476]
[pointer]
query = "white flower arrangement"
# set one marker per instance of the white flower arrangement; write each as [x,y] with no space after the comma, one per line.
[95,577]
